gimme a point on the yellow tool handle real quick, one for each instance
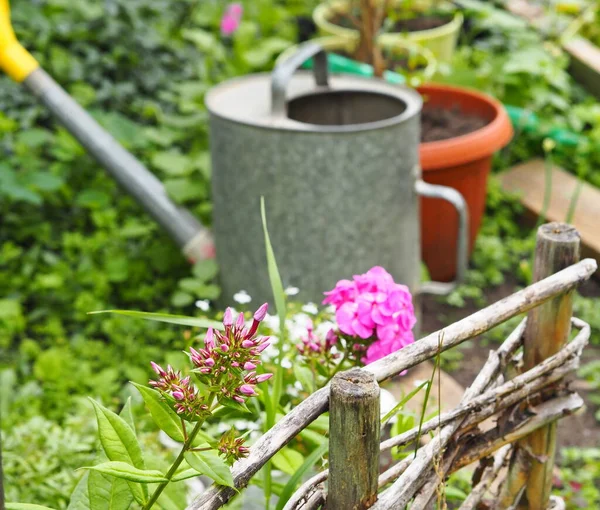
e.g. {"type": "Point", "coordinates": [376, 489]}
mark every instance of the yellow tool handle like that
{"type": "Point", "coordinates": [15, 60]}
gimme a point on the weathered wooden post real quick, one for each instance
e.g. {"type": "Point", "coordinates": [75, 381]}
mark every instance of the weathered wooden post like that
{"type": "Point", "coordinates": [354, 426]}
{"type": "Point", "coordinates": [547, 331]}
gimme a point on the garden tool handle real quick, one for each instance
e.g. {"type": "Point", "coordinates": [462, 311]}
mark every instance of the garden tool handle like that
{"type": "Point", "coordinates": [425, 189]}
{"type": "Point", "coordinates": [283, 73]}
{"type": "Point", "coordinates": [15, 60]}
{"type": "Point", "coordinates": [192, 237]}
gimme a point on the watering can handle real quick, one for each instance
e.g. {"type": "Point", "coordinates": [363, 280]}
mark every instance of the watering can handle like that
{"type": "Point", "coordinates": [283, 73]}
{"type": "Point", "coordinates": [456, 199]}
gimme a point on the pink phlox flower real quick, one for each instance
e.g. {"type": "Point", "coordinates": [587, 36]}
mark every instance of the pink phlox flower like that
{"type": "Point", "coordinates": [375, 279]}
{"type": "Point", "coordinates": [349, 321]}
{"type": "Point", "coordinates": [231, 19]}
{"type": "Point", "coordinates": [343, 292]}
{"type": "Point", "coordinates": [375, 308]}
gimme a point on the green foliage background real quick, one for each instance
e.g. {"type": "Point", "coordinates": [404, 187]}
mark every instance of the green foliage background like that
{"type": "Point", "coordinates": [72, 242]}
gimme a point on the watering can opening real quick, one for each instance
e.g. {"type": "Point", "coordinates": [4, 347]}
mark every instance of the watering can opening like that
{"type": "Point", "coordinates": [344, 107]}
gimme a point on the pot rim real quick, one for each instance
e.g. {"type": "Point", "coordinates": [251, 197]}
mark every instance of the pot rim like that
{"type": "Point", "coordinates": [224, 107]}
{"type": "Point", "coordinates": [472, 146]}
{"type": "Point", "coordinates": [321, 19]}
{"type": "Point", "coordinates": [336, 42]}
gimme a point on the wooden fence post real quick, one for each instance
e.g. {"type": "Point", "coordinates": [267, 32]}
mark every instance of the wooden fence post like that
{"type": "Point", "coordinates": [354, 426]}
{"type": "Point", "coordinates": [547, 331]}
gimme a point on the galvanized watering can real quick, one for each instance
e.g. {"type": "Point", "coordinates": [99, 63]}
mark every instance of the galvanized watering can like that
{"type": "Point", "coordinates": [336, 159]}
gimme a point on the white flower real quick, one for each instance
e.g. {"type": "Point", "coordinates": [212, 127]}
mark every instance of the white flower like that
{"type": "Point", "coordinates": [223, 427]}
{"type": "Point", "coordinates": [242, 297]}
{"type": "Point", "coordinates": [272, 322]}
{"type": "Point", "coordinates": [203, 304]}
{"type": "Point", "coordinates": [291, 291]}
{"type": "Point", "coordinates": [286, 363]}
{"type": "Point", "coordinates": [323, 328]}
{"type": "Point", "coordinates": [310, 308]}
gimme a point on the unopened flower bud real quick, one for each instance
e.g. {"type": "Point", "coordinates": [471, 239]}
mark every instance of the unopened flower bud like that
{"type": "Point", "coordinates": [228, 318]}
{"type": "Point", "coordinates": [263, 377]}
{"type": "Point", "coordinates": [249, 366]}
{"type": "Point", "coordinates": [209, 341]}
{"type": "Point", "coordinates": [240, 321]}
{"type": "Point", "coordinates": [261, 313]}
{"type": "Point", "coordinates": [246, 344]}
{"type": "Point", "coordinates": [158, 369]}
{"type": "Point", "coordinates": [247, 389]}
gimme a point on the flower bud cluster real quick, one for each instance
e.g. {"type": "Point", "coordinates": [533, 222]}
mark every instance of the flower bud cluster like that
{"type": "Point", "coordinates": [232, 448]}
{"type": "Point", "coordinates": [229, 358]}
{"type": "Point", "coordinates": [312, 347]}
{"type": "Point", "coordinates": [226, 365]}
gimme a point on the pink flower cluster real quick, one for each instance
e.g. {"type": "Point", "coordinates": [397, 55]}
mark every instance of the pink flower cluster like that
{"type": "Point", "coordinates": [373, 306]}
{"type": "Point", "coordinates": [227, 362]}
{"type": "Point", "coordinates": [231, 19]}
{"type": "Point", "coordinates": [312, 347]}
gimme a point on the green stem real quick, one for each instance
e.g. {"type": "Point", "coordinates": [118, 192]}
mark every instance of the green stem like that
{"type": "Point", "coordinates": [337, 368]}
{"type": "Point", "coordinates": [186, 447]}
{"type": "Point", "coordinates": [547, 189]}
{"type": "Point", "coordinates": [574, 200]}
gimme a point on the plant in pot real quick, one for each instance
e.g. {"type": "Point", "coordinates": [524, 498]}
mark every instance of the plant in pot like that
{"type": "Point", "coordinates": [461, 129]}
{"type": "Point", "coordinates": [432, 24]}
{"type": "Point", "coordinates": [401, 57]}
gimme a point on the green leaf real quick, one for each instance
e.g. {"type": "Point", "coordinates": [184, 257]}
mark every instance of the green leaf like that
{"type": "Point", "coordinates": [185, 474]}
{"type": "Point", "coordinates": [120, 444]}
{"type": "Point", "coordinates": [210, 464]}
{"type": "Point", "coordinates": [172, 162]}
{"type": "Point", "coordinates": [185, 190]}
{"type": "Point", "coordinates": [205, 270]}
{"type": "Point", "coordinates": [288, 460]}
{"type": "Point", "coordinates": [26, 506]}
{"type": "Point", "coordinates": [232, 404]}
{"type": "Point", "coordinates": [180, 299]}
{"type": "Point", "coordinates": [117, 437]}
{"type": "Point", "coordinates": [400, 404]}
{"type": "Point", "coordinates": [305, 377]}
{"type": "Point", "coordinates": [128, 472]}
{"type": "Point", "coordinates": [80, 499]}
{"type": "Point", "coordinates": [43, 181]}
{"type": "Point", "coordinates": [182, 320]}
{"type": "Point", "coordinates": [109, 493]}
{"type": "Point", "coordinates": [93, 199]}
{"type": "Point", "coordinates": [280, 305]}
{"type": "Point", "coordinates": [292, 483]}
{"type": "Point", "coordinates": [162, 414]}
{"type": "Point", "coordinates": [127, 414]}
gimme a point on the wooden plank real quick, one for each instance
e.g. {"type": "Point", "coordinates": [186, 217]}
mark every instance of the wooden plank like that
{"type": "Point", "coordinates": [528, 179]}
{"type": "Point", "coordinates": [585, 63]}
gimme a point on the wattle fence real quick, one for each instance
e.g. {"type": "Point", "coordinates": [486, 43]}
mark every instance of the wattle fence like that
{"type": "Point", "coordinates": [523, 386]}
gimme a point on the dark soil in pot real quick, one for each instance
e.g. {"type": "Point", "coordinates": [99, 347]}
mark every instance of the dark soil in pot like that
{"type": "Point", "coordinates": [442, 124]}
{"type": "Point", "coordinates": [420, 23]}
{"type": "Point", "coordinates": [416, 24]}
{"type": "Point", "coordinates": [393, 63]}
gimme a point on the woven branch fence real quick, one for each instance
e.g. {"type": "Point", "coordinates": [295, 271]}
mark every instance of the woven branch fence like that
{"type": "Point", "coordinates": [523, 386]}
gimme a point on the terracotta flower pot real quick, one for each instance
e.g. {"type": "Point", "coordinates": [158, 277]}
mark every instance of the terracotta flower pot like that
{"type": "Point", "coordinates": [463, 163]}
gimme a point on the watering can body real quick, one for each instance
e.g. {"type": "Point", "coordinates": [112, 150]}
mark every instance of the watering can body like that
{"type": "Point", "coordinates": [336, 160]}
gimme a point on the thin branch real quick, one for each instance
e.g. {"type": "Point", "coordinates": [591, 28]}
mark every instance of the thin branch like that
{"type": "Point", "coordinates": [489, 474]}
{"type": "Point", "coordinates": [410, 356]}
